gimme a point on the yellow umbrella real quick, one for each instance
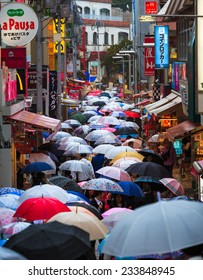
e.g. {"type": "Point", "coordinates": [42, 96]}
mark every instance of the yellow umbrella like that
{"type": "Point", "coordinates": [128, 154]}
{"type": "Point", "coordinates": [96, 229]}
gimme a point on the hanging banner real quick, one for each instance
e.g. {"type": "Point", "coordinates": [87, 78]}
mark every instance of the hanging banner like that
{"type": "Point", "coordinates": [149, 66]}
{"type": "Point", "coordinates": [161, 46]}
{"type": "Point", "coordinates": [52, 93]}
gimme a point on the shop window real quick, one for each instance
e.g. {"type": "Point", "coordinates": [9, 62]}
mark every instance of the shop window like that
{"type": "Point", "coordinates": [104, 12]}
{"type": "Point", "coordinates": [95, 38]}
{"type": "Point", "coordinates": [87, 11]}
{"type": "Point", "coordinates": [122, 36]}
{"type": "Point", "coordinates": [106, 38]}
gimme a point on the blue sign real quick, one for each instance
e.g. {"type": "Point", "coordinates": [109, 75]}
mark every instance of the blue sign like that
{"type": "Point", "coordinates": [161, 46]}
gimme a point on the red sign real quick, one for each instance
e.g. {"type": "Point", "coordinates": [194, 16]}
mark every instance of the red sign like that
{"type": "Point", "coordinates": [149, 55]}
{"type": "Point", "coordinates": [150, 7]}
{"type": "Point", "coordinates": [14, 58]}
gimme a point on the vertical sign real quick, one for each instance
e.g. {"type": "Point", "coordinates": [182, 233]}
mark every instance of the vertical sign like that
{"type": "Point", "coordinates": [149, 66]}
{"type": "Point", "coordinates": [161, 46]}
{"type": "Point", "coordinates": [62, 32]}
{"type": "Point", "coordinates": [150, 7]}
{"type": "Point", "coordinates": [199, 50]}
{"type": "Point", "coordinates": [52, 93]}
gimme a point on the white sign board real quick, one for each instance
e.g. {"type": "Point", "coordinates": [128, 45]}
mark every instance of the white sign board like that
{"type": "Point", "coordinates": [19, 24]}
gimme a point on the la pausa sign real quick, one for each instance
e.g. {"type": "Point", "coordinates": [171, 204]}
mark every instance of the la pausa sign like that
{"type": "Point", "coordinates": [19, 24]}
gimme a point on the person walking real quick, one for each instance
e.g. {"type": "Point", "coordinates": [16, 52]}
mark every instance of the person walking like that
{"type": "Point", "coordinates": [169, 156]}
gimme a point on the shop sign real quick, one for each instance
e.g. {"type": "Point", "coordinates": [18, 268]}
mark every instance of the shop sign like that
{"type": "Point", "coordinates": [161, 46]}
{"type": "Point", "coordinates": [14, 57]}
{"type": "Point", "coordinates": [52, 93]}
{"type": "Point", "coordinates": [150, 7]}
{"type": "Point", "coordinates": [19, 24]}
{"type": "Point", "coordinates": [149, 57]}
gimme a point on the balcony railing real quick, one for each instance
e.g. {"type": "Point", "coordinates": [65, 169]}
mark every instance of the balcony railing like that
{"type": "Point", "coordinates": [102, 17]}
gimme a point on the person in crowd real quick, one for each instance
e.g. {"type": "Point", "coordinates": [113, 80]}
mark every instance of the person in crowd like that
{"type": "Point", "coordinates": [84, 175]}
{"type": "Point", "coordinates": [97, 201]}
{"type": "Point", "coordinates": [187, 150]}
{"type": "Point", "coordinates": [20, 166]}
{"type": "Point", "coordinates": [39, 178]}
{"type": "Point", "coordinates": [118, 200]}
{"type": "Point", "coordinates": [169, 156]}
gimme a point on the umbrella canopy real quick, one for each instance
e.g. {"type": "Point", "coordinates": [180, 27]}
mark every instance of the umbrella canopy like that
{"type": "Point", "coordinates": [50, 241]}
{"type": "Point", "coordinates": [81, 131]}
{"type": "Point", "coordinates": [41, 157]}
{"type": "Point", "coordinates": [11, 190]}
{"type": "Point", "coordinates": [65, 183]}
{"type": "Point", "coordinates": [36, 167]}
{"type": "Point", "coordinates": [126, 131]}
{"type": "Point", "coordinates": [6, 216]}
{"type": "Point", "coordinates": [72, 139]}
{"type": "Point", "coordinates": [8, 254]}
{"type": "Point", "coordinates": [150, 155]}
{"type": "Point", "coordinates": [40, 208]}
{"type": "Point", "coordinates": [78, 148]}
{"type": "Point", "coordinates": [173, 185]}
{"type": "Point", "coordinates": [96, 134]}
{"type": "Point", "coordinates": [114, 173]}
{"type": "Point", "coordinates": [13, 228]}
{"type": "Point", "coordinates": [132, 114]}
{"type": "Point", "coordinates": [118, 114]}
{"type": "Point", "coordinates": [79, 117]}
{"type": "Point", "coordinates": [112, 218]}
{"type": "Point", "coordinates": [51, 155]}
{"type": "Point", "coordinates": [9, 201]}
{"type": "Point", "coordinates": [132, 154]}
{"type": "Point", "coordinates": [102, 148]}
{"type": "Point", "coordinates": [51, 147]}
{"type": "Point", "coordinates": [45, 190]}
{"type": "Point", "coordinates": [137, 143]}
{"type": "Point", "coordinates": [148, 169]}
{"type": "Point", "coordinates": [58, 135]}
{"type": "Point", "coordinates": [84, 207]}
{"type": "Point", "coordinates": [66, 126]}
{"type": "Point", "coordinates": [102, 184]}
{"type": "Point", "coordinates": [130, 189]}
{"type": "Point", "coordinates": [74, 165]}
{"type": "Point", "coordinates": [116, 150]}
{"type": "Point", "coordinates": [157, 228]}
{"type": "Point", "coordinates": [124, 163]}
{"type": "Point", "coordinates": [73, 123]}
{"type": "Point", "coordinates": [108, 139]}
{"type": "Point", "coordinates": [91, 224]}
{"type": "Point", "coordinates": [153, 182]}
{"type": "Point", "coordinates": [108, 120]}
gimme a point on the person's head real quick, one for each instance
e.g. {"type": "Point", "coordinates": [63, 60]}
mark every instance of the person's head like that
{"type": "Point", "coordinates": [167, 142]}
{"type": "Point", "coordinates": [118, 198]}
{"type": "Point", "coordinates": [130, 144]}
{"type": "Point", "coordinates": [98, 195]}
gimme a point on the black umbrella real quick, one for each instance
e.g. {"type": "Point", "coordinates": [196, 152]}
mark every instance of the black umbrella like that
{"type": "Point", "coordinates": [125, 130]}
{"type": "Point", "coordinates": [150, 155]}
{"type": "Point", "coordinates": [51, 147]}
{"type": "Point", "coordinates": [99, 103]}
{"type": "Point", "coordinates": [65, 183]}
{"type": "Point", "coordinates": [147, 168]}
{"type": "Point", "coordinates": [153, 182]}
{"type": "Point", "coordinates": [50, 241]}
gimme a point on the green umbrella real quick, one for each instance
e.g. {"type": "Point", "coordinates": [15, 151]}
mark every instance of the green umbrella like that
{"type": "Point", "coordinates": [79, 117]}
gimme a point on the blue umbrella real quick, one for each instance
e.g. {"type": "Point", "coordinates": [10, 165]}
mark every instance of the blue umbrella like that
{"type": "Point", "coordinates": [11, 190]}
{"type": "Point", "coordinates": [36, 167]}
{"type": "Point", "coordinates": [130, 189]}
{"type": "Point", "coordinates": [80, 195]}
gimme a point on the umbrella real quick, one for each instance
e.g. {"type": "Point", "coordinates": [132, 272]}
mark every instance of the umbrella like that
{"type": "Point", "coordinates": [118, 114]}
{"type": "Point", "coordinates": [124, 163]}
{"type": "Point", "coordinates": [115, 210]}
{"type": "Point", "coordinates": [73, 123]}
{"type": "Point", "coordinates": [65, 183]}
{"type": "Point", "coordinates": [6, 216]}
{"type": "Point", "coordinates": [84, 207]}
{"type": "Point", "coordinates": [108, 139]}
{"type": "Point", "coordinates": [102, 184]}
{"type": "Point", "coordinates": [96, 134]}
{"type": "Point", "coordinates": [58, 135]}
{"type": "Point", "coordinates": [9, 201]}
{"type": "Point", "coordinates": [51, 155]}
{"type": "Point", "coordinates": [173, 185]}
{"type": "Point", "coordinates": [74, 165]}
{"type": "Point", "coordinates": [66, 126]}
{"type": "Point", "coordinates": [158, 137]}
{"type": "Point", "coordinates": [50, 241]}
{"type": "Point", "coordinates": [45, 190]}
{"type": "Point", "coordinates": [116, 150]}
{"type": "Point", "coordinates": [126, 131]}
{"type": "Point", "coordinates": [78, 148]}
{"type": "Point", "coordinates": [13, 228]}
{"type": "Point", "coordinates": [81, 131]}
{"type": "Point", "coordinates": [130, 189]}
{"type": "Point", "coordinates": [136, 143]}
{"type": "Point", "coordinates": [11, 190]}
{"type": "Point", "coordinates": [102, 148]}
{"type": "Point", "coordinates": [113, 218]}
{"type": "Point", "coordinates": [148, 169]}
{"type": "Point", "coordinates": [41, 157]}
{"type": "Point", "coordinates": [128, 154]}
{"type": "Point", "coordinates": [153, 182]}
{"type": "Point", "coordinates": [72, 139]}
{"type": "Point", "coordinates": [129, 124]}
{"type": "Point", "coordinates": [8, 254]}
{"type": "Point", "coordinates": [79, 117]}
{"type": "Point", "coordinates": [114, 173]}
{"type": "Point", "coordinates": [108, 120]}
{"type": "Point", "coordinates": [93, 119]}
{"type": "Point", "coordinates": [157, 228]}
{"type": "Point", "coordinates": [91, 224]}
{"type": "Point", "coordinates": [80, 197]}
{"type": "Point", "coordinates": [99, 103]}
{"type": "Point", "coordinates": [150, 155]}
{"type": "Point", "coordinates": [36, 167]}
{"type": "Point", "coordinates": [40, 208]}
{"type": "Point", "coordinates": [132, 114]}
{"type": "Point", "coordinates": [51, 147]}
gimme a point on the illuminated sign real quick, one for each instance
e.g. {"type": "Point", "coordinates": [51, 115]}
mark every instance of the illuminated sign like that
{"type": "Point", "coordinates": [150, 7]}
{"type": "Point", "coordinates": [61, 40]}
{"type": "Point", "coordinates": [161, 46]}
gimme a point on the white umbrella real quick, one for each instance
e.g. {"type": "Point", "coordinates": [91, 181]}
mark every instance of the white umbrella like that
{"type": "Point", "coordinates": [94, 118]}
{"type": "Point", "coordinates": [108, 139]}
{"type": "Point", "coordinates": [78, 148]}
{"type": "Point", "coordinates": [124, 163]}
{"type": "Point", "coordinates": [108, 120]}
{"type": "Point", "coordinates": [116, 150]}
{"type": "Point", "coordinates": [102, 148]}
{"type": "Point", "coordinates": [66, 126]}
{"type": "Point", "coordinates": [45, 190]}
{"type": "Point", "coordinates": [74, 165]}
{"type": "Point", "coordinates": [40, 157]}
{"type": "Point", "coordinates": [58, 135]}
{"type": "Point", "coordinates": [14, 227]}
{"type": "Point", "coordinates": [115, 173]}
{"type": "Point", "coordinates": [129, 124]}
{"type": "Point", "coordinates": [96, 134]}
{"type": "Point", "coordinates": [157, 228]}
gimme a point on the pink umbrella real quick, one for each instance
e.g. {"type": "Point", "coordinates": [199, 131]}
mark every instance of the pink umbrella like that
{"type": "Point", "coordinates": [6, 216]}
{"type": "Point", "coordinates": [111, 129]}
{"type": "Point", "coordinates": [115, 210]}
{"type": "Point", "coordinates": [115, 173]}
{"type": "Point", "coordinates": [137, 143]}
{"type": "Point", "coordinates": [173, 185]}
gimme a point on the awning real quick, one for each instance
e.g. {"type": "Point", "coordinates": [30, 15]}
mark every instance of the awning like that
{"type": "Point", "coordinates": [36, 121]}
{"type": "Point", "coordinates": [168, 108]}
{"type": "Point", "coordinates": [161, 102]}
{"type": "Point", "coordinates": [174, 7]}
{"type": "Point", "coordinates": [182, 128]}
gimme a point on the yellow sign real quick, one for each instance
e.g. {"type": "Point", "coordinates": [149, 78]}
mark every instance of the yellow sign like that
{"type": "Point", "coordinates": [62, 32]}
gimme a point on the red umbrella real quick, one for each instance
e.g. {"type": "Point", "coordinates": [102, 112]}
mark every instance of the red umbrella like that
{"type": "Point", "coordinates": [40, 208]}
{"type": "Point", "coordinates": [132, 114]}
